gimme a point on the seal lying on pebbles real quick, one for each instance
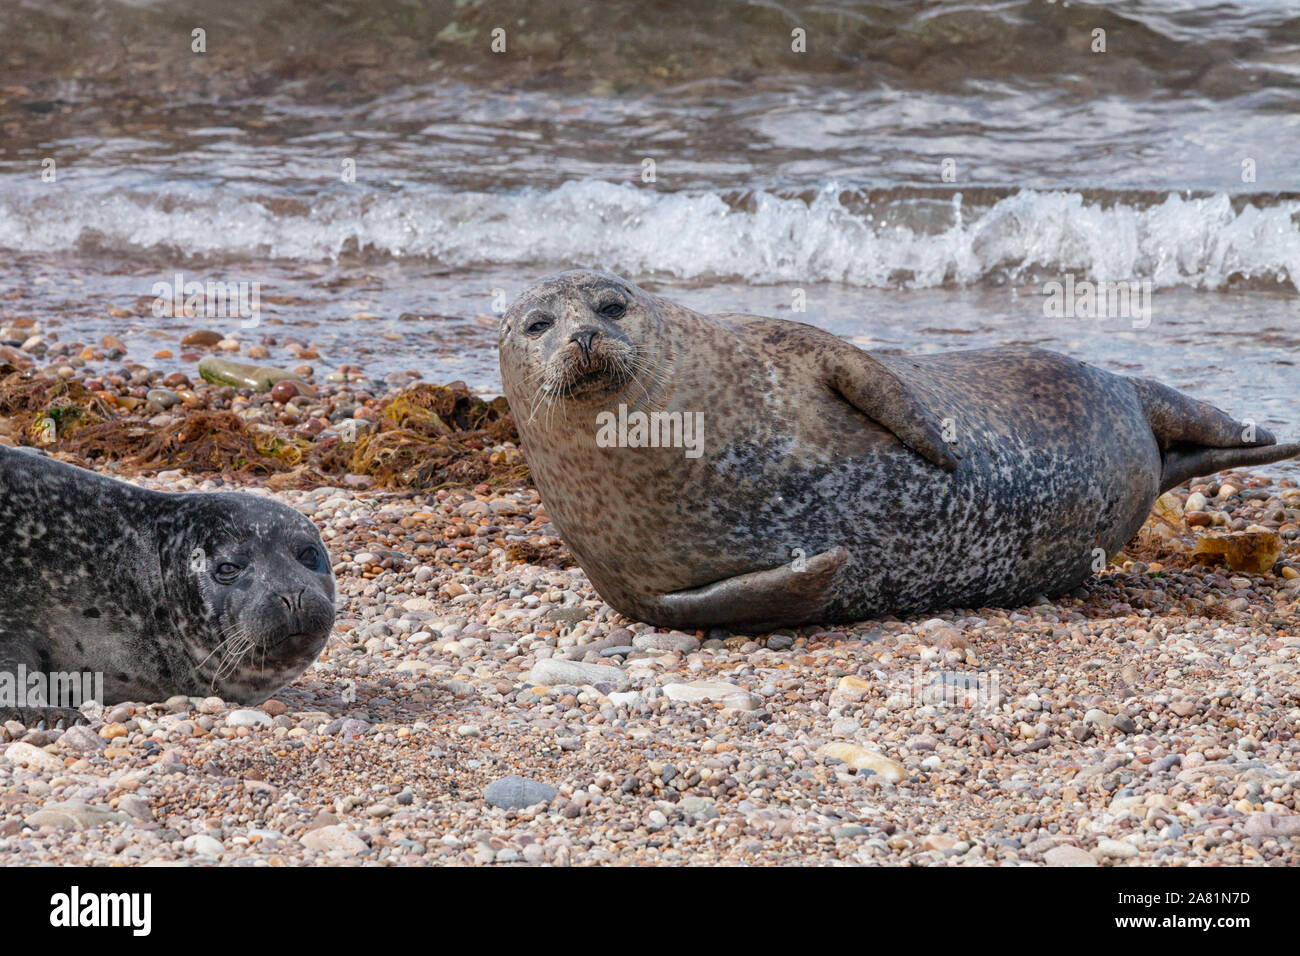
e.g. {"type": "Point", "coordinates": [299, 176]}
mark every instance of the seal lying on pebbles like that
{"type": "Point", "coordinates": [755, 472]}
{"type": "Point", "coordinates": [161, 593]}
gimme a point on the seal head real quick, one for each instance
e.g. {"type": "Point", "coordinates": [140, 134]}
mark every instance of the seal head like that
{"type": "Point", "coordinates": [258, 578]}
{"type": "Point", "coordinates": [580, 340]}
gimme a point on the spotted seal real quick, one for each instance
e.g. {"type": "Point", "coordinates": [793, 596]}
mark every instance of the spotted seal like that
{"type": "Point", "coordinates": [161, 593]}
{"type": "Point", "coordinates": [753, 472]}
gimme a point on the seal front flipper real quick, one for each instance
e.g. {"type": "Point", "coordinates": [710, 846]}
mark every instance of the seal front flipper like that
{"type": "Point", "coordinates": [18, 662]}
{"type": "Point", "coordinates": [757, 600]}
{"type": "Point", "coordinates": [883, 397]}
{"type": "Point", "coordinates": [43, 718]}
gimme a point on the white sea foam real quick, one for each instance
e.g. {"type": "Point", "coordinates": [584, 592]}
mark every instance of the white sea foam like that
{"type": "Point", "coordinates": [838, 235]}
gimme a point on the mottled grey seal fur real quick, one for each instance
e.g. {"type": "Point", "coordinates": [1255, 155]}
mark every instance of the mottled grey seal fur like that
{"type": "Point", "coordinates": [163, 593]}
{"type": "Point", "coordinates": [825, 491]}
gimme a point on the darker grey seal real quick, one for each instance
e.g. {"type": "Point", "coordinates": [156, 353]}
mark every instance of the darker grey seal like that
{"type": "Point", "coordinates": [226, 594]}
{"type": "Point", "coordinates": [790, 477]}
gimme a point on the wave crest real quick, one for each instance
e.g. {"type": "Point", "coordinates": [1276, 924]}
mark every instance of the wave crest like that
{"type": "Point", "coordinates": [895, 239]}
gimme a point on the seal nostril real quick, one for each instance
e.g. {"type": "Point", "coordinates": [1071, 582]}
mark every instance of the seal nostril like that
{"type": "Point", "coordinates": [584, 337]}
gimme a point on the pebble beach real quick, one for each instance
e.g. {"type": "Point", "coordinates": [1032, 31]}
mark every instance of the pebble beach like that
{"type": "Point", "coordinates": [478, 704]}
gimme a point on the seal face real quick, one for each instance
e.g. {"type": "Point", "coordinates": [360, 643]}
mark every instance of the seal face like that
{"type": "Point", "coordinates": [225, 594]}
{"type": "Point", "coordinates": [585, 347]}
{"type": "Point", "coordinates": [820, 482]}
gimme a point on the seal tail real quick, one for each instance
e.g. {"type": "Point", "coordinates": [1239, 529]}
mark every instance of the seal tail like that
{"type": "Point", "coordinates": [1189, 462]}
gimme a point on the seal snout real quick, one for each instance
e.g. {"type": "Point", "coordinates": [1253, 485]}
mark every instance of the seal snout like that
{"type": "Point", "coordinates": [305, 621]}
{"type": "Point", "coordinates": [591, 363]}
{"type": "Point", "coordinates": [574, 337]}
{"type": "Point", "coordinates": [583, 338]}
{"type": "Point", "coordinates": [293, 602]}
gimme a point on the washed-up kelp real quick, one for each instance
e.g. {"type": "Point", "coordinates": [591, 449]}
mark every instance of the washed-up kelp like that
{"type": "Point", "coordinates": [425, 436]}
{"type": "Point", "coordinates": [431, 436]}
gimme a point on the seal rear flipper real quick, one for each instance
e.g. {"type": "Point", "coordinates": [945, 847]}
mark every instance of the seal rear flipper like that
{"type": "Point", "coordinates": [758, 600]}
{"type": "Point", "coordinates": [1194, 460]}
{"type": "Point", "coordinates": [1195, 438]}
{"type": "Point", "coordinates": [1178, 419]}
{"type": "Point", "coordinates": [885, 398]}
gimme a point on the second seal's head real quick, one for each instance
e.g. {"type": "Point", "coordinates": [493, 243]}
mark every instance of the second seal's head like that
{"type": "Point", "coordinates": [580, 338]}
{"type": "Point", "coordinates": [259, 575]}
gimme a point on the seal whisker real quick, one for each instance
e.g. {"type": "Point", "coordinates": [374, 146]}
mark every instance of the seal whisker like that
{"type": "Point", "coordinates": [230, 664]}
{"type": "Point", "coordinates": [235, 652]}
{"type": "Point", "coordinates": [648, 369]}
{"type": "Point", "coordinates": [220, 648]}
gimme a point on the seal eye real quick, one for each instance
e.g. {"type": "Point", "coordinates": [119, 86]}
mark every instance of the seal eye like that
{"type": "Point", "coordinates": [612, 310]}
{"type": "Point", "coordinates": [539, 325]}
{"type": "Point", "coordinates": [309, 557]}
{"type": "Point", "coordinates": [227, 572]}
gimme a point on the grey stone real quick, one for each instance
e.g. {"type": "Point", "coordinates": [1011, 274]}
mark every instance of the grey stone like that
{"type": "Point", "coordinates": [1116, 849]}
{"type": "Point", "coordinates": [579, 651]}
{"type": "Point", "coordinates": [247, 718]}
{"type": "Point", "coordinates": [136, 807]}
{"type": "Point", "coordinates": [515, 793]}
{"type": "Point", "coordinates": [1098, 718]}
{"type": "Point", "coordinates": [74, 814]}
{"type": "Point", "coordinates": [568, 615]}
{"type": "Point", "coordinates": [1068, 856]}
{"type": "Point", "coordinates": [1273, 824]}
{"type": "Point", "coordinates": [849, 831]}
{"type": "Point", "coordinates": [955, 680]}
{"type": "Point", "coordinates": [203, 845]}
{"type": "Point", "coordinates": [551, 672]}
{"type": "Point", "coordinates": [334, 837]}
{"type": "Point", "coordinates": [731, 696]}
{"type": "Point", "coordinates": [82, 739]}
{"type": "Point", "coordinates": [351, 727]}
{"type": "Point", "coordinates": [699, 807]}
{"type": "Point", "coordinates": [680, 643]}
